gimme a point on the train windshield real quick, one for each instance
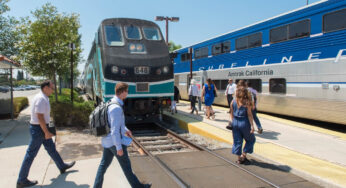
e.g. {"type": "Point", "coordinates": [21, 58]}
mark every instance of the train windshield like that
{"type": "Point", "coordinates": [132, 32]}
{"type": "Point", "coordinates": [114, 36]}
{"type": "Point", "coordinates": [151, 33]}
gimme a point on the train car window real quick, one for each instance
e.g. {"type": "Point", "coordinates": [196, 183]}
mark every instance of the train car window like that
{"type": "Point", "coordinates": [216, 49]}
{"type": "Point", "coordinates": [114, 36]}
{"type": "Point", "coordinates": [183, 57]}
{"type": "Point", "coordinates": [226, 47]}
{"type": "Point", "coordinates": [241, 43]}
{"type": "Point", "coordinates": [278, 34]}
{"type": "Point", "coordinates": [132, 32]}
{"type": "Point", "coordinates": [201, 52]}
{"type": "Point", "coordinates": [217, 84]}
{"type": "Point", "coordinates": [255, 40]}
{"type": "Point", "coordinates": [223, 84]}
{"type": "Point", "coordinates": [334, 21]}
{"type": "Point", "coordinates": [151, 33]}
{"type": "Point", "coordinates": [255, 84]}
{"type": "Point", "coordinates": [299, 29]}
{"type": "Point", "coordinates": [277, 85]}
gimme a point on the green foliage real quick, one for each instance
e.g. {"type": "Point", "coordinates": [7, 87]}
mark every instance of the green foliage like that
{"type": "Point", "coordinates": [19, 103]}
{"type": "Point", "coordinates": [9, 33]}
{"type": "Point", "coordinates": [172, 46]}
{"type": "Point", "coordinates": [44, 42]}
{"type": "Point", "coordinates": [66, 114]}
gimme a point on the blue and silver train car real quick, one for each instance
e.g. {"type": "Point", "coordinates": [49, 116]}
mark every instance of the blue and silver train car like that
{"type": "Point", "coordinates": [131, 51]}
{"type": "Point", "coordinates": [296, 61]}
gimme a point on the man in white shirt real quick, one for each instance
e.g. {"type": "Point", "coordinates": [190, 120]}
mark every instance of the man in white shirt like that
{"type": "Point", "coordinates": [194, 92]}
{"type": "Point", "coordinates": [112, 146]}
{"type": "Point", "coordinates": [230, 90]}
{"type": "Point", "coordinates": [40, 118]}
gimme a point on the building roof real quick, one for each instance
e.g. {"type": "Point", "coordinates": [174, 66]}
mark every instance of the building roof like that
{"type": "Point", "coordinates": [6, 63]}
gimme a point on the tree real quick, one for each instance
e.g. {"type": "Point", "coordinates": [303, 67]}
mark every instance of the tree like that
{"type": "Point", "coordinates": [9, 35]}
{"type": "Point", "coordinates": [172, 46]}
{"type": "Point", "coordinates": [44, 45]}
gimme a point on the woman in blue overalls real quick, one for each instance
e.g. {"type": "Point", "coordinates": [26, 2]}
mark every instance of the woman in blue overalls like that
{"type": "Point", "coordinates": [242, 122]}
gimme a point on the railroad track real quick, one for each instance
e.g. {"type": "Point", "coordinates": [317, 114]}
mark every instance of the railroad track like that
{"type": "Point", "coordinates": [158, 139]}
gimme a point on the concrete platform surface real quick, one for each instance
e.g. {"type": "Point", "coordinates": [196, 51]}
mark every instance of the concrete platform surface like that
{"type": "Point", "coordinates": [313, 153]}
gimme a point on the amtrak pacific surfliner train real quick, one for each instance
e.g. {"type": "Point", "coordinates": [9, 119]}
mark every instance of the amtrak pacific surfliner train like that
{"type": "Point", "coordinates": [296, 61]}
{"type": "Point", "coordinates": [131, 51]}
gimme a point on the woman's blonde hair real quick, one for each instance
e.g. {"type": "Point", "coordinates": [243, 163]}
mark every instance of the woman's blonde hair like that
{"type": "Point", "coordinates": [243, 96]}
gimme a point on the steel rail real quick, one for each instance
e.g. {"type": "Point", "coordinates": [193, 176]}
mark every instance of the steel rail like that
{"type": "Point", "coordinates": [168, 171]}
{"type": "Point", "coordinates": [215, 154]}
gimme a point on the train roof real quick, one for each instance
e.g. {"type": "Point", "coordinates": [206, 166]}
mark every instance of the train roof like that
{"type": "Point", "coordinates": [125, 21]}
{"type": "Point", "coordinates": [280, 19]}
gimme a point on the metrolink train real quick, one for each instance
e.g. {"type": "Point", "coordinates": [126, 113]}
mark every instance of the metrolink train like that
{"type": "Point", "coordinates": [131, 51]}
{"type": "Point", "coordinates": [296, 61]}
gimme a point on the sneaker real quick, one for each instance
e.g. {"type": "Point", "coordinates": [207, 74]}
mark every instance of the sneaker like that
{"type": "Point", "coordinates": [260, 131]}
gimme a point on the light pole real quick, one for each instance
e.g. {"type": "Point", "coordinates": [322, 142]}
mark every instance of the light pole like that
{"type": "Point", "coordinates": [172, 19]}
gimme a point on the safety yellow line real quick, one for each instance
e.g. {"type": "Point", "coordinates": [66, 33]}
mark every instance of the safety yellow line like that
{"type": "Point", "coordinates": [292, 123]}
{"type": "Point", "coordinates": [304, 163]}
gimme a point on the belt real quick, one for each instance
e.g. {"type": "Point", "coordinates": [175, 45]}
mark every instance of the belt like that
{"type": "Point", "coordinates": [37, 124]}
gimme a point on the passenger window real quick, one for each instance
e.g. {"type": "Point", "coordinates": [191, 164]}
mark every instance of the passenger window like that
{"type": "Point", "coordinates": [241, 43]}
{"type": "Point", "coordinates": [201, 52]}
{"type": "Point", "coordinates": [226, 47]}
{"type": "Point", "coordinates": [114, 36]}
{"type": "Point", "coordinates": [183, 57]}
{"type": "Point", "coordinates": [299, 29]}
{"type": "Point", "coordinates": [216, 49]}
{"type": "Point", "coordinates": [224, 84]}
{"type": "Point", "coordinates": [278, 34]}
{"type": "Point", "coordinates": [277, 85]}
{"type": "Point", "coordinates": [255, 84]}
{"type": "Point", "coordinates": [255, 40]}
{"type": "Point", "coordinates": [217, 84]}
{"type": "Point", "coordinates": [334, 21]}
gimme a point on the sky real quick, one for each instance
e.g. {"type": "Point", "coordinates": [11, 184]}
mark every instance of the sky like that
{"type": "Point", "coordinates": [199, 19]}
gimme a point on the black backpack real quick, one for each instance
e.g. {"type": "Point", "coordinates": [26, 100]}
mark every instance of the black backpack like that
{"type": "Point", "coordinates": [98, 119]}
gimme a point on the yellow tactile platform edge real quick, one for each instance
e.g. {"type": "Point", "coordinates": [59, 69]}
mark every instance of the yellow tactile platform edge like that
{"type": "Point", "coordinates": [301, 162]}
{"type": "Point", "coordinates": [292, 123]}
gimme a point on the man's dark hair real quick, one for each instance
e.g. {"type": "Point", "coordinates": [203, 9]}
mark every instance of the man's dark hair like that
{"type": "Point", "coordinates": [121, 87]}
{"type": "Point", "coordinates": [45, 83]}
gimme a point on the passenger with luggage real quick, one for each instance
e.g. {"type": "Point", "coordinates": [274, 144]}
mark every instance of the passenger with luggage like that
{"type": "Point", "coordinates": [194, 92]}
{"type": "Point", "coordinates": [242, 124]}
{"type": "Point", "coordinates": [253, 93]}
{"type": "Point", "coordinates": [113, 144]}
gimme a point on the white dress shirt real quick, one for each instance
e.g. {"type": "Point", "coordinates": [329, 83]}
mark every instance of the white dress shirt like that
{"type": "Point", "coordinates": [116, 120]}
{"type": "Point", "coordinates": [40, 105]}
{"type": "Point", "coordinates": [193, 90]}
{"type": "Point", "coordinates": [230, 90]}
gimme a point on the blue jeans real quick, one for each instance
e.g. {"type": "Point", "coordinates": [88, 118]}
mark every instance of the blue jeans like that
{"type": "Point", "coordinates": [124, 161]}
{"type": "Point", "coordinates": [37, 139]}
{"type": "Point", "coordinates": [255, 118]}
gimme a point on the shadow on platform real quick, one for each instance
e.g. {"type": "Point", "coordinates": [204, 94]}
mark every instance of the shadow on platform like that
{"type": "Point", "coordinates": [60, 181]}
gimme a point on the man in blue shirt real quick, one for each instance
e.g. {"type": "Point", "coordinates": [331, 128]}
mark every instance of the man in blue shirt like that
{"type": "Point", "coordinates": [111, 143]}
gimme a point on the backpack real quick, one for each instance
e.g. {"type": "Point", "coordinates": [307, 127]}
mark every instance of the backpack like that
{"type": "Point", "coordinates": [98, 119]}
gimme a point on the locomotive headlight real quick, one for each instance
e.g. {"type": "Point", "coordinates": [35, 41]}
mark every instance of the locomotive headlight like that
{"type": "Point", "coordinates": [139, 47]}
{"type": "Point", "coordinates": [132, 47]}
{"type": "Point", "coordinates": [115, 69]}
{"type": "Point", "coordinates": [158, 71]}
{"type": "Point", "coordinates": [165, 69]}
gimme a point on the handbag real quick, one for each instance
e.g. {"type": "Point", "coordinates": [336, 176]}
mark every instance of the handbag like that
{"type": "Point", "coordinates": [215, 94]}
{"type": "Point", "coordinates": [51, 128]}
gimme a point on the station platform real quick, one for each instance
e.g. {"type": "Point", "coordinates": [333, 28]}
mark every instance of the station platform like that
{"type": "Point", "coordinates": [313, 153]}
